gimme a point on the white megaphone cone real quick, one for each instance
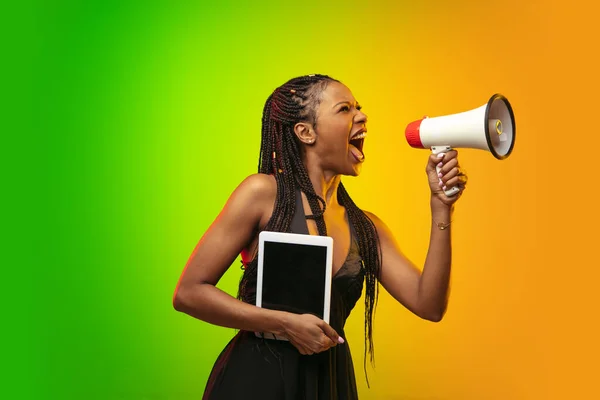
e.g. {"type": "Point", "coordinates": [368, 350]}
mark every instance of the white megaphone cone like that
{"type": "Point", "coordinates": [490, 127]}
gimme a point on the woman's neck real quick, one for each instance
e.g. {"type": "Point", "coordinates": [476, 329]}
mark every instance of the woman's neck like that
{"type": "Point", "coordinates": [325, 185]}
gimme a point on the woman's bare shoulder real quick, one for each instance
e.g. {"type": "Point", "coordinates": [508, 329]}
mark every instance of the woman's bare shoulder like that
{"type": "Point", "coordinates": [255, 197]}
{"type": "Point", "coordinates": [253, 201]}
{"type": "Point", "coordinates": [257, 187]}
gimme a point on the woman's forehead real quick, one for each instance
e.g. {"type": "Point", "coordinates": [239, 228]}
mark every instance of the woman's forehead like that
{"type": "Point", "coordinates": [335, 93]}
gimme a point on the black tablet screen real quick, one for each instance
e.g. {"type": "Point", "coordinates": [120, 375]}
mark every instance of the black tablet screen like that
{"type": "Point", "coordinates": [294, 277]}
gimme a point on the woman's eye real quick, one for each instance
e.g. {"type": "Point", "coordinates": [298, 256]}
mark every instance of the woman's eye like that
{"type": "Point", "coordinates": [345, 108]}
{"type": "Point", "coordinates": [359, 108]}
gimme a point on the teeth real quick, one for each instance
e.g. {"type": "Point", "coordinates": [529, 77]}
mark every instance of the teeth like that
{"type": "Point", "coordinates": [361, 135]}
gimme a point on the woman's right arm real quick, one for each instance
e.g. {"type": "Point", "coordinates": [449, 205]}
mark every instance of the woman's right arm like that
{"type": "Point", "coordinates": [249, 207]}
{"type": "Point", "coordinates": [196, 293]}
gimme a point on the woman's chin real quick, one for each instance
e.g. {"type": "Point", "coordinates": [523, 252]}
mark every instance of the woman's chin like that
{"type": "Point", "coordinates": [355, 169]}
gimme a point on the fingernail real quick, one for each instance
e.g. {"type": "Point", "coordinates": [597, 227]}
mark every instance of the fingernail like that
{"type": "Point", "coordinates": [440, 165]}
{"type": "Point", "coordinates": [440, 155]}
{"type": "Point", "coordinates": [440, 175]}
{"type": "Point", "coordinates": [444, 187]}
{"type": "Point", "coordinates": [441, 183]}
{"type": "Point", "coordinates": [340, 340]}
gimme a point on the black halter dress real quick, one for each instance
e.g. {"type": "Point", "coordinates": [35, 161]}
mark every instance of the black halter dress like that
{"type": "Point", "coordinates": [255, 368]}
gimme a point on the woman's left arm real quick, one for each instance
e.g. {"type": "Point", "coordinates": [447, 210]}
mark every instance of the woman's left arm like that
{"type": "Point", "coordinates": [425, 293]}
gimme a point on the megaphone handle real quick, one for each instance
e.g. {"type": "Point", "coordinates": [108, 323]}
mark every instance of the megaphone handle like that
{"type": "Point", "coordinates": [439, 150]}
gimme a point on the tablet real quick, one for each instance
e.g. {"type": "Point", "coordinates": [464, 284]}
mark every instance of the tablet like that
{"type": "Point", "coordinates": [294, 273]}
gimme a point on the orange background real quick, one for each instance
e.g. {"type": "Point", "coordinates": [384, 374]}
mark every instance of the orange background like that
{"type": "Point", "coordinates": [521, 321]}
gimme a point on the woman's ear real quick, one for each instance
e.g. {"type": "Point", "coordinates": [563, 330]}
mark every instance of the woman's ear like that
{"type": "Point", "coordinates": [305, 133]}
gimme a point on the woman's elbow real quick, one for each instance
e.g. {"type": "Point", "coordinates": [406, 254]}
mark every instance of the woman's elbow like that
{"type": "Point", "coordinates": [180, 299]}
{"type": "Point", "coordinates": [433, 315]}
{"type": "Point", "coordinates": [188, 298]}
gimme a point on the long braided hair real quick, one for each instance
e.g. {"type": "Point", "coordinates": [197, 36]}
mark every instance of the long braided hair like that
{"type": "Point", "coordinates": [295, 101]}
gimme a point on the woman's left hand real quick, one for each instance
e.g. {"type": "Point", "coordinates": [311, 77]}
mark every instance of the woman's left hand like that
{"type": "Point", "coordinates": [450, 175]}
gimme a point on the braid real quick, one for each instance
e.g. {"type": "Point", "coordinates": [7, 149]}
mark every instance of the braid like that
{"type": "Point", "coordinates": [280, 154]}
{"type": "Point", "coordinates": [368, 242]}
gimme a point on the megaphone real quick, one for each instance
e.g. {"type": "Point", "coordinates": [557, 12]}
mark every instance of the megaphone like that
{"type": "Point", "coordinates": [490, 127]}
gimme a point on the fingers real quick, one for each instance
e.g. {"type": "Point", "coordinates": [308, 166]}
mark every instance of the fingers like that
{"type": "Point", "coordinates": [451, 174]}
{"type": "Point", "coordinates": [331, 333]}
{"type": "Point", "coordinates": [322, 344]}
{"type": "Point", "coordinates": [452, 154]}
{"type": "Point", "coordinates": [314, 336]}
{"type": "Point", "coordinates": [447, 165]}
{"type": "Point", "coordinates": [326, 344]}
{"type": "Point", "coordinates": [435, 159]}
{"type": "Point", "coordinates": [460, 180]}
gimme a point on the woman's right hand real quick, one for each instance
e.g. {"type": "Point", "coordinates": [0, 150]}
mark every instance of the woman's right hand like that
{"type": "Point", "coordinates": [310, 334]}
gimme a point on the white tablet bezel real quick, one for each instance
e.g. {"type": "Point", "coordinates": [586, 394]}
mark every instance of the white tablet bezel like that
{"type": "Point", "coordinates": [295, 238]}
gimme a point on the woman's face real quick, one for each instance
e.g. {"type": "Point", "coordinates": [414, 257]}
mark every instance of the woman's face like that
{"type": "Point", "coordinates": [339, 131]}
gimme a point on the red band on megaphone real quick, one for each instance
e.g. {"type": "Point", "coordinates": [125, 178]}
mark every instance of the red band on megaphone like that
{"type": "Point", "coordinates": [413, 134]}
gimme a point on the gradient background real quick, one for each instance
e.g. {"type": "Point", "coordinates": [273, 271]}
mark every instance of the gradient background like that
{"type": "Point", "coordinates": [129, 124]}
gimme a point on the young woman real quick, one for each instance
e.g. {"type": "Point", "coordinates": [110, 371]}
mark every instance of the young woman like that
{"type": "Point", "coordinates": [313, 132]}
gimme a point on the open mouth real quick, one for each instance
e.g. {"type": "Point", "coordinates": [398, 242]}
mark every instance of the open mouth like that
{"type": "Point", "coordinates": [357, 142]}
